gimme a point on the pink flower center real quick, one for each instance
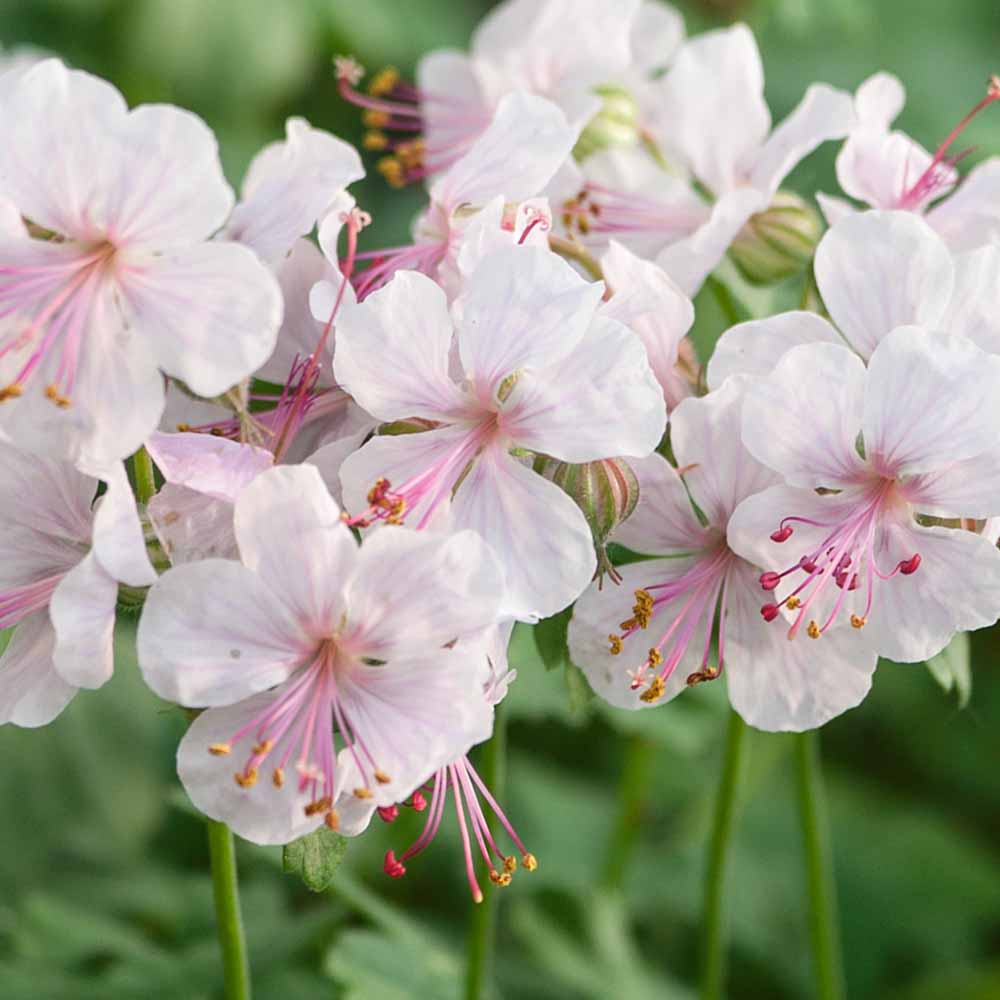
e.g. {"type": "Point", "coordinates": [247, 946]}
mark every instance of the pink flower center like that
{"type": "Point", "coordinates": [603, 211]}
{"type": "Point", "coordinates": [846, 556]}
{"type": "Point", "coordinates": [699, 598]}
{"type": "Point", "coordinates": [297, 729]}
{"type": "Point", "coordinates": [395, 112]}
{"type": "Point", "coordinates": [467, 787]}
{"type": "Point", "coordinates": [55, 298]}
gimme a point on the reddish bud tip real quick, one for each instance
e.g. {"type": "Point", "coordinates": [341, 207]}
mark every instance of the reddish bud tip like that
{"type": "Point", "coordinates": [388, 813]}
{"type": "Point", "coordinates": [392, 867]}
{"type": "Point", "coordinates": [782, 534]}
{"type": "Point", "coordinates": [769, 580]}
{"type": "Point", "coordinates": [418, 802]}
{"type": "Point", "coordinates": [908, 566]}
{"type": "Point", "coordinates": [769, 612]}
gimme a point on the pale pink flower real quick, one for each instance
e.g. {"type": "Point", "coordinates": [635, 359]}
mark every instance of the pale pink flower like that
{"type": "Point", "coordinates": [309, 633]}
{"type": "Point", "coordinates": [533, 366]}
{"type": "Point", "coordinates": [556, 49]}
{"type": "Point", "coordinates": [701, 594]}
{"type": "Point", "coordinates": [64, 554]}
{"type": "Point", "coordinates": [911, 436]}
{"type": "Point", "coordinates": [887, 170]}
{"type": "Point", "coordinates": [875, 271]}
{"type": "Point", "coordinates": [114, 279]}
{"type": "Point", "coordinates": [715, 127]}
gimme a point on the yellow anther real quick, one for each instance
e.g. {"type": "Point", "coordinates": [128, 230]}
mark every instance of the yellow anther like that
{"type": "Point", "coordinates": [813, 630]}
{"type": "Point", "coordinates": [12, 391]}
{"type": "Point", "coordinates": [362, 793]}
{"type": "Point", "coordinates": [264, 748]}
{"type": "Point", "coordinates": [643, 599]}
{"type": "Point", "coordinates": [792, 603]}
{"type": "Point", "coordinates": [383, 81]}
{"type": "Point", "coordinates": [499, 879]}
{"type": "Point", "coordinates": [382, 778]}
{"type": "Point", "coordinates": [529, 862]}
{"type": "Point", "coordinates": [183, 428]}
{"type": "Point", "coordinates": [411, 154]}
{"type": "Point", "coordinates": [616, 644]}
{"type": "Point", "coordinates": [392, 171]}
{"type": "Point", "coordinates": [629, 624]}
{"type": "Point", "coordinates": [52, 392]}
{"type": "Point", "coordinates": [246, 779]}
{"type": "Point", "coordinates": [332, 820]}
{"type": "Point", "coordinates": [320, 805]}
{"type": "Point", "coordinates": [654, 692]}
{"type": "Point", "coordinates": [655, 657]}
{"type": "Point", "coordinates": [220, 749]}
{"type": "Point", "coordinates": [375, 141]}
{"type": "Point", "coordinates": [375, 119]}
{"type": "Point", "coordinates": [858, 622]}
{"type": "Point", "coordinates": [510, 864]}
{"type": "Point", "coordinates": [278, 777]}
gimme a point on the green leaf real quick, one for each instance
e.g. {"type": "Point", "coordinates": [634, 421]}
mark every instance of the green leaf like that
{"type": "Point", "coordinates": [951, 668]}
{"type": "Point", "coordinates": [550, 638]}
{"type": "Point", "coordinates": [315, 858]}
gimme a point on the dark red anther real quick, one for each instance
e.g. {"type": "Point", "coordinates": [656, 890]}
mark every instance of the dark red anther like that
{"type": "Point", "coordinates": [769, 580]}
{"type": "Point", "coordinates": [418, 802]}
{"type": "Point", "coordinates": [805, 563]}
{"type": "Point", "coordinates": [388, 813]}
{"type": "Point", "coordinates": [908, 566]}
{"type": "Point", "coordinates": [782, 534]}
{"type": "Point", "coordinates": [769, 612]}
{"type": "Point", "coordinates": [392, 867]}
{"type": "Point", "coordinates": [854, 582]}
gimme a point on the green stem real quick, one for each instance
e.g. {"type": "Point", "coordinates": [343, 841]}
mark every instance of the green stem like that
{"type": "Point", "coordinates": [145, 481]}
{"type": "Point", "coordinates": [714, 936]}
{"type": "Point", "coordinates": [229, 922]}
{"type": "Point", "coordinates": [636, 769]}
{"type": "Point", "coordinates": [725, 301]}
{"type": "Point", "coordinates": [823, 923]}
{"type": "Point", "coordinates": [482, 926]}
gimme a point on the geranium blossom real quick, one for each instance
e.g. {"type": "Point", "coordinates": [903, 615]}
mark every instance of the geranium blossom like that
{"type": "Point", "coordinates": [112, 279]}
{"type": "Point", "coordinates": [653, 635]}
{"type": "Point", "coordinates": [911, 436]}
{"type": "Point", "coordinates": [532, 367]}
{"type": "Point", "coordinates": [63, 556]}
{"type": "Point", "coordinates": [306, 633]}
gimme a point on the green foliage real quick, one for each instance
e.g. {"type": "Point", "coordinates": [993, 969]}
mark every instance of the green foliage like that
{"type": "Point", "coordinates": [952, 668]}
{"type": "Point", "coordinates": [315, 858]}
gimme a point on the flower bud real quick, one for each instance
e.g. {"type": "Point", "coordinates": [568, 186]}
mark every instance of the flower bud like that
{"type": "Point", "coordinates": [606, 492]}
{"type": "Point", "coordinates": [778, 242]}
{"type": "Point", "coordinates": [616, 124]}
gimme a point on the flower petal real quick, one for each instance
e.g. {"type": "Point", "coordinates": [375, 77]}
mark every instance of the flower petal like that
{"type": "Point", "coordinates": [118, 539]}
{"type": "Point", "coordinates": [803, 419]}
{"type": "Point", "coordinates": [755, 347]}
{"type": "Point", "coordinates": [880, 270]}
{"type": "Point", "coordinates": [31, 692]}
{"type": "Point", "coordinates": [970, 218]}
{"type": "Point", "coordinates": [213, 633]}
{"type": "Point", "coordinates": [600, 402]}
{"type": "Point", "coordinates": [879, 100]}
{"type": "Point", "coordinates": [211, 465]}
{"type": "Point", "coordinates": [974, 310]}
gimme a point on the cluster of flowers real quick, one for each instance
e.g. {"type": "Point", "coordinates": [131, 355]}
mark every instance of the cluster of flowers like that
{"type": "Point", "coordinates": [372, 462]}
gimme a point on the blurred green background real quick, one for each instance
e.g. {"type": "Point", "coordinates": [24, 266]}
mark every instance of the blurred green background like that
{"type": "Point", "coordinates": [103, 886]}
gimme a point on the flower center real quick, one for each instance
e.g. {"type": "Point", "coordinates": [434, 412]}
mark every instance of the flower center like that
{"type": "Point", "coordinates": [606, 212]}
{"type": "Point", "coordinates": [845, 559]}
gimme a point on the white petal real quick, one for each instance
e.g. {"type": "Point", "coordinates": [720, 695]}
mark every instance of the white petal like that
{"type": "Point", "coordinates": [288, 187]}
{"type": "Point", "coordinates": [957, 587]}
{"type": "Point", "coordinates": [213, 633]}
{"type": "Point", "coordinates": [330, 457]}
{"type": "Point", "coordinates": [535, 530]}
{"type": "Point", "coordinates": [974, 310]}
{"type": "Point", "coordinates": [970, 488]}
{"type": "Point", "coordinates": [262, 814]}
{"type": "Point", "coordinates": [663, 522]}
{"type": "Point", "coordinates": [907, 430]}
{"type": "Point", "coordinates": [526, 143]}
{"type": "Point", "coordinates": [392, 351]}
{"type": "Point", "coordinates": [657, 32]}
{"type": "Point", "coordinates": [879, 100]}
{"type": "Point", "coordinates": [705, 437]}
{"type": "Point", "coordinates": [600, 402]}
{"type": "Point", "coordinates": [880, 270]}
{"type": "Point", "coordinates": [970, 217]}
{"type": "Point", "coordinates": [291, 534]}
{"type": "Point", "coordinates": [413, 592]}
{"type": "Point", "coordinates": [713, 96]}
{"type": "Point", "coordinates": [803, 419]}
{"type": "Point", "coordinates": [211, 465]}
{"type": "Point", "coordinates": [82, 610]}
{"type": "Point", "coordinates": [834, 209]}
{"type": "Point", "coordinates": [192, 526]}
{"type": "Point", "coordinates": [779, 685]}
{"type": "Point", "coordinates": [118, 540]}
{"type": "Point", "coordinates": [755, 347]}
{"type": "Point", "coordinates": [31, 692]}
{"type": "Point", "coordinates": [878, 168]}
{"type": "Point", "coordinates": [523, 308]}
{"type": "Point", "coordinates": [823, 114]}
{"type": "Point", "coordinates": [444, 74]}
{"type": "Point", "coordinates": [210, 313]}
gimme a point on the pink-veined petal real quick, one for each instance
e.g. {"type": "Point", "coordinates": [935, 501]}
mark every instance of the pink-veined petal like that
{"type": "Point", "coordinates": [31, 692]}
{"type": "Point", "coordinates": [974, 310]}
{"type": "Point", "coordinates": [211, 465]}
{"type": "Point", "coordinates": [970, 217]}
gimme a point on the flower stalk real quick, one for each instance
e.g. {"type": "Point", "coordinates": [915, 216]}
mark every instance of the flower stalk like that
{"type": "Point", "coordinates": [228, 919]}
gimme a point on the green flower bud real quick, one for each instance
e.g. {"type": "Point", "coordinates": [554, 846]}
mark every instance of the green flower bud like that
{"type": "Point", "coordinates": [778, 242]}
{"type": "Point", "coordinates": [616, 124]}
